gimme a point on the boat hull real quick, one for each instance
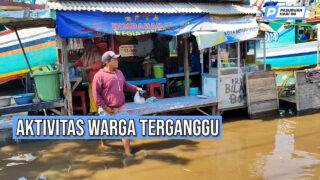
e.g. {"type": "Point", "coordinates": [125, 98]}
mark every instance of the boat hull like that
{"type": "Point", "coordinates": [40, 48]}
{"type": "Point", "coordinates": [292, 56]}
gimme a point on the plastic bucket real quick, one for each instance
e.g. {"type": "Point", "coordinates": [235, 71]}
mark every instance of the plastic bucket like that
{"type": "Point", "coordinates": [158, 70]}
{"type": "Point", "coordinates": [48, 85]}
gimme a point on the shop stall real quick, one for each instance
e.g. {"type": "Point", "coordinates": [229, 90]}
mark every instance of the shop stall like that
{"type": "Point", "coordinates": [145, 40]}
{"type": "Point", "coordinates": [156, 47]}
{"type": "Point", "coordinates": [128, 29]}
{"type": "Point", "coordinates": [225, 65]}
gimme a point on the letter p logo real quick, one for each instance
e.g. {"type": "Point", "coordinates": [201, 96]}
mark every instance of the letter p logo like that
{"type": "Point", "coordinates": [270, 12]}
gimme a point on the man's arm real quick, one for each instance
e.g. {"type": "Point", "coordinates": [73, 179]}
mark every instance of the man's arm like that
{"type": "Point", "coordinates": [98, 92]}
{"type": "Point", "coordinates": [96, 66]}
{"type": "Point", "coordinates": [77, 64]}
{"type": "Point", "coordinates": [128, 87]}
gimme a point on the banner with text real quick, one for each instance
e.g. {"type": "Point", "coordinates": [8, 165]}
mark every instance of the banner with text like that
{"type": "Point", "coordinates": [117, 127]}
{"type": "Point", "coordinates": [80, 24]}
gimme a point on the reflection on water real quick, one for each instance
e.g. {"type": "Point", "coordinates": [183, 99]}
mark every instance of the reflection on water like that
{"type": "Point", "coordinates": [284, 162]}
{"type": "Point", "coordinates": [273, 149]}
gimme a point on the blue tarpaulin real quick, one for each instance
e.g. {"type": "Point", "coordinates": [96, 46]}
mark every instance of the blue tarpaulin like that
{"type": "Point", "coordinates": [81, 24]}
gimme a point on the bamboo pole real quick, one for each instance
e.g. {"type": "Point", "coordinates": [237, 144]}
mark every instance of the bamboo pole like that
{"type": "Point", "coordinates": [21, 46]}
{"type": "Point", "coordinates": [67, 85]}
{"type": "Point", "coordinates": [28, 78]}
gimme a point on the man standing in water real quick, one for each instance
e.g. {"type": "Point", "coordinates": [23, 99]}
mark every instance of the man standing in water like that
{"type": "Point", "coordinates": [108, 86]}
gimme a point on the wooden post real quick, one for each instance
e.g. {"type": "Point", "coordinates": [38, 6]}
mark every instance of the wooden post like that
{"type": "Point", "coordinates": [239, 55]}
{"type": "Point", "coordinates": [201, 60]}
{"type": "Point", "coordinates": [210, 61]}
{"type": "Point", "coordinates": [67, 85]}
{"type": "Point", "coordinates": [28, 83]}
{"type": "Point", "coordinates": [112, 43]}
{"type": "Point", "coordinates": [186, 66]}
{"type": "Point", "coordinates": [264, 55]}
{"type": "Point", "coordinates": [201, 73]}
{"type": "Point", "coordinates": [255, 51]}
{"type": "Point", "coordinates": [318, 44]}
{"type": "Point", "coordinates": [214, 110]}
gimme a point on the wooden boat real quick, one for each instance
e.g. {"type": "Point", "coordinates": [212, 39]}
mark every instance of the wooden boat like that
{"type": "Point", "coordinates": [40, 48]}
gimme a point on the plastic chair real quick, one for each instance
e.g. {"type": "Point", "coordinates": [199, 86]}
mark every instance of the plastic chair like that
{"type": "Point", "coordinates": [83, 106]}
{"type": "Point", "coordinates": [151, 88]}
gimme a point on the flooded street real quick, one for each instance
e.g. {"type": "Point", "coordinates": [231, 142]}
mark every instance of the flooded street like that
{"type": "Point", "coordinates": [287, 148]}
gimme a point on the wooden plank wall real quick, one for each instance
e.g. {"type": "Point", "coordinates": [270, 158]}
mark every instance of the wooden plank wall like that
{"type": "Point", "coordinates": [262, 95]}
{"type": "Point", "coordinates": [307, 94]}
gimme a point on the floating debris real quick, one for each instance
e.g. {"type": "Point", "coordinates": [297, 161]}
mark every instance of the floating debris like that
{"type": "Point", "coordinates": [22, 178]}
{"type": "Point", "coordinates": [188, 170]}
{"type": "Point", "coordinates": [41, 177]}
{"type": "Point", "coordinates": [22, 157]}
{"type": "Point", "coordinates": [14, 164]}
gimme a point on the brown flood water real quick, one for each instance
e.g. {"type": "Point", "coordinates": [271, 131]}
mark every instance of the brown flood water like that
{"type": "Point", "coordinates": [287, 148]}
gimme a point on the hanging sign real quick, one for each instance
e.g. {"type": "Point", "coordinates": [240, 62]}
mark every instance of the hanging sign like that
{"type": "Point", "coordinates": [128, 50]}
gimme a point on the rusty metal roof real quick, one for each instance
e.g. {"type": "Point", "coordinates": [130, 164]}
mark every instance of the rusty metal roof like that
{"type": "Point", "coordinates": [152, 7]}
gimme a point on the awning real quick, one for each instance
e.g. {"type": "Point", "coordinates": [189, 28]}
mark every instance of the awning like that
{"type": "Point", "coordinates": [81, 24]}
{"type": "Point", "coordinates": [209, 39]}
{"type": "Point", "coordinates": [236, 28]}
{"type": "Point", "coordinates": [229, 30]}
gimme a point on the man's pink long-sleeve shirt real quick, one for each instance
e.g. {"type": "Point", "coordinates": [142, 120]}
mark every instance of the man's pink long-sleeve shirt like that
{"type": "Point", "coordinates": [108, 87]}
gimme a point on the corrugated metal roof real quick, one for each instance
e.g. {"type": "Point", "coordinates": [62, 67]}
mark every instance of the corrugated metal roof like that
{"type": "Point", "coordinates": [166, 1]}
{"type": "Point", "coordinates": [151, 7]}
{"type": "Point", "coordinates": [224, 9]}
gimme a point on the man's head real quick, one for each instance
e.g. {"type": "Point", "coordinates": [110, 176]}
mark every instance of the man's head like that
{"type": "Point", "coordinates": [87, 44]}
{"type": "Point", "coordinates": [110, 59]}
